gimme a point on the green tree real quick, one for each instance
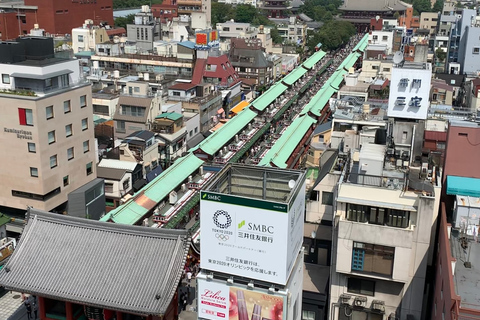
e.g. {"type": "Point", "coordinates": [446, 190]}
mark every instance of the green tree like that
{"type": "Point", "coordinates": [121, 22]}
{"type": "Point", "coordinates": [221, 12]}
{"type": "Point", "coordinates": [320, 10]}
{"type": "Point", "coordinates": [245, 13]}
{"type": "Point", "coordinates": [440, 54]}
{"type": "Point", "coordinates": [276, 38]}
{"type": "Point", "coordinates": [438, 6]}
{"type": "Point", "coordinates": [332, 35]}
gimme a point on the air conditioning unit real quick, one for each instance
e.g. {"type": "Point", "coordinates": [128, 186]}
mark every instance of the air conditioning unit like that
{"type": "Point", "coordinates": [345, 298]}
{"type": "Point", "coordinates": [200, 170]}
{"type": "Point", "coordinates": [184, 187]}
{"type": "Point", "coordinates": [378, 305]}
{"type": "Point", "coordinates": [360, 302]}
{"type": "Point", "coordinates": [172, 198]}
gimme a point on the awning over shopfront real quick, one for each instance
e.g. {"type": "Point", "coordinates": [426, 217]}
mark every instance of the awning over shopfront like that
{"type": "Point", "coordinates": [463, 186]}
{"type": "Point", "coordinates": [239, 107]}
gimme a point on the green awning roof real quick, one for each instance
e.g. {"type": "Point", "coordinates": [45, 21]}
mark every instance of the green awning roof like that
{"type": "Point", "coordinates": [4, 219]}
{"type": "Point", "coordinates": [227, 132]}
{"type": "Point", "coordinates": [293, 76]}
{"type": "Point", "coordinates": [169, 115]}
{"type": "Point", "coordinates": [463, 186]}
{"type": "Point", "coordinates": [313, 59]}
{"type": "Point", "coordinates": [269, 96]}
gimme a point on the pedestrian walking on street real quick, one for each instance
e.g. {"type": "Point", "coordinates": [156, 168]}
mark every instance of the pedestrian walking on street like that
{"type": "Point", "coordinates": [28, 306]}
{"type": "Point", "coordinates": [35, 310]}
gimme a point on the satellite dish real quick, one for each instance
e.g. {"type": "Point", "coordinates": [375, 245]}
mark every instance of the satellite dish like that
{"type": "Point", "coordinates": [398, 57]}
{"type": "Point", "coordinates": [291, 184]}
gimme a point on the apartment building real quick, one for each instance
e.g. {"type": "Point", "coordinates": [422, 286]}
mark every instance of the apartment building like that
{"type": "Point", "coordinates": [381, 237]}
{"type": "Point", "coordinates": [136, 109]}
{"type": "Point", "coordinates": [88, 36]}
{"type": "Point", "coordinates": [47, 122]}
{"type": "Point", "coordinates": [145, 30]}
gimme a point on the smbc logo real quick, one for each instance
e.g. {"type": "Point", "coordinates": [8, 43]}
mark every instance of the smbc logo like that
{"type": "Point", "coordinates": [256, 227]}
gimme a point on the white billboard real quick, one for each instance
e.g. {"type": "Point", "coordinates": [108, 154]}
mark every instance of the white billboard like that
{"type": "Point", "coordinates": [217, 301]}
{"type": "Point", "coordinates": [251, 238]}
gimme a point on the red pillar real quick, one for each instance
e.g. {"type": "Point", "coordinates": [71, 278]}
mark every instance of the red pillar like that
{"type": "Point", "coordinates": [69, 310]}
{"type": "Point", "coordinates": [119, 315]}
{"type": "Point", "coordinates": [41, 308]}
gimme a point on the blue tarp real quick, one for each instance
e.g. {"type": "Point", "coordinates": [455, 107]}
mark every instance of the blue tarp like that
{"type": "Point", "coordinates": [463, 186]}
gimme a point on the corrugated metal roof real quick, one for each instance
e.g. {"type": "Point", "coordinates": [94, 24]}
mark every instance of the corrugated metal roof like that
{"type": "Point", "coordinates": [283, 148]}
{"type": "Point", "coordinates": [292, 77]}
{"type": "Point", "coordinates": [118, 164]}
{"type": "Point", "coordinates": [154, 192]}
{"type": "Point", "coordinates": [463, 186]}
{"type": "Point", "coordinates": [97, 264]}
{"type": "Point", "coordinates": [220, 137]}
{"type": "Point", "coordinates": [187, 44]}
{"type": "Point", "coordinates": [313, 59]}
{"type": "Point", "coordinates": [269, 96]}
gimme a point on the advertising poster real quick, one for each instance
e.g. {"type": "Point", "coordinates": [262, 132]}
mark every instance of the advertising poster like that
{"type": "Point", "coordinates": [243, 236]}
{"type": "Point", "coordinates": [244, 240]}
{"type": "Point", "coordinates": [220, 302]}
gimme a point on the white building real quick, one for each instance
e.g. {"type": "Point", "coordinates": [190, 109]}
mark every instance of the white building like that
{"type": "Point", "coordinates": [410, 90]}
{"type": "Point", "coordinates": [381, 239]}
{"type": "Point", "coordinates": [383, 38]}
{"type": "Point", "coordinates": [86, 37]}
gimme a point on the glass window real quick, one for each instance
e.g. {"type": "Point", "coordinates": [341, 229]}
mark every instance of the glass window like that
{"type": "Point", "coordinates": [86, 146]}
{"type": "Point", "coordinates": [308, 315]}
{"type": "Point", "coordinates": [5, 78]}
{"type": "Point", "coordinates": [33, 172]}
{"type": "Point", "coordinates": [398, 218]}
{"type": "Point", "coordinates": [66, 181]}
{"type": "Point", "coordinates": [70, 153]}
{"type": "Point", "coordinates": [66, 106]}
{"type": "Point", "coordinates": [327, 198]}
{"type": "Point", "coordinates": [68, 130]}
{"type": "Point", "coordinates": [356, 213]}
{"type": "Point", "coordinates": [51, 137]}
{"type": "Point", "coordinates": [84, 124]}
{"type": "Point", "coordinates": [89, 168]}
{"type": "Point", "coordinates": [25, 117]}
{"type": "Point", "coordinates": [476, 50]}
{"type": "Point", "coordinates": [31, 147]}
{"type": "Point", "coordinates": [53, 161]}
{"type": "Point", "coordinates": [126, 184]}
{"type": "Point", "coordinates": [83, 101]}
{"type": "Point", "coordinates": [49, 112]}
{"type": "Point", "coordinates": [120, 126]}
{"type": "Point", "coordinates": [80, 38]}
{"type": "Point", "coordinates": [376, 216]}
{"type": "Point", "coordinates": [372, 258]}
{"type": "Point", "coordinates": [361, 286]}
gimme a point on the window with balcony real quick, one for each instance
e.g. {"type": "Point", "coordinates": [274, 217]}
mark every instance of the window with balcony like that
{"type": "Point", "coordinates": [132, 111]}
{"type": "Point", "coordinates": [374, 259]}
{"type": "Point", "coordinates": [361, 286]}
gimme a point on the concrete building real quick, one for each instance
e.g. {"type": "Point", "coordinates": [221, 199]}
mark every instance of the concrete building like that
{"type": "Point", "coordinates": [230, 29]}
{"type": "Point", "coordinates": [469, 46]}
{"type": "Point", "coordinates": [381, 238]}
{"type": "Point", "coordinates": [48, 126]}
{"type": "Point", "coordinates": [319, 143]}
{"type": "Point", "coordinates": [292, 30]}
{"type": "Point", "coordinates": [381, 37]}
{"type": "Point", "coordinates": [145, 30]}
{"type": "Point", "coordinates": [441, 92]}
{"type": "Point", "coordinates": [429, 21]}
{"type": "Point", "coordinates": [199, 12]}
{"type": "Point", "coordinates": [172, 132]}
{"type": "Point", "coordinates": [88, 36]}
{"type": "Point", "coordinates": [473, 95]}
{"type": "Point", "coordinates": [118, 183]}
{"type": "Point", "coordinates": [140, 147]}
{"type": "Point", "coordinates": [52, 16]}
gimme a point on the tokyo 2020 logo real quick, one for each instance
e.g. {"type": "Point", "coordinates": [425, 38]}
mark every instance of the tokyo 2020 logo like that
{"type": "Point", "coordinates": [222, 219]}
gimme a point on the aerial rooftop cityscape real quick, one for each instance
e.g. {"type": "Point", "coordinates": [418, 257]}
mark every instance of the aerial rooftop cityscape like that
{"type": "Point", "coordinates": [239, 160]}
